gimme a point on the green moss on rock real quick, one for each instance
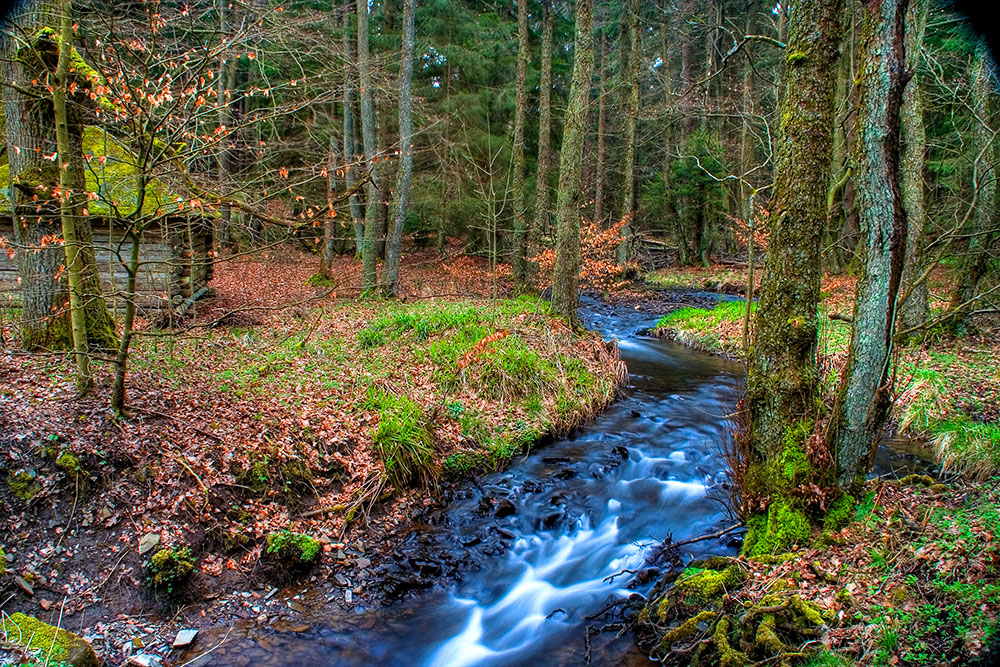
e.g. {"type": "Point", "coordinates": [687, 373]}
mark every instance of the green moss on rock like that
{"type": "Point", "coordinates": [23, 485]}
{"type": "Point", "coordinates": [3, 562]}
{"type": "Point", "coordinates": [169, 569]}
{"type": "Point", "coordinates": [297, 551]}
{"type": "Point", "coordinates": [54, 644]}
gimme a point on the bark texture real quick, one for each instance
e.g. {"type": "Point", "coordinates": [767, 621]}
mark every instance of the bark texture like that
{"type": "Point", "coordinates": [782, 387]}
{"type": "Point", "coordinates": [631, 119]}
{"type": "Point", "coordinates": [865, 394]}
{"type": "Point", "coordinates": [394, 249]}
{"type": "Point", "coordinates": [369, 246]}
{"type": "Point", "coordinates": [519, 268]}
{"type": "Point", "coordinates": [913, 311]}
{"type": "Point", "coordinates": [568, 198]}
{"type": "Point", "coordinates": [982, 226]}
{"type": "Point", "coordinates": [28, 58]}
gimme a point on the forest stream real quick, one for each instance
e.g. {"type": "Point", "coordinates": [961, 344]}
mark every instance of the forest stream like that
{"type": "Point", "coordinates": [540, 541]}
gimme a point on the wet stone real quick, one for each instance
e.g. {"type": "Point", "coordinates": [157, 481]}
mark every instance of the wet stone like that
{"type": "Point", "coordinates": [505, 508]}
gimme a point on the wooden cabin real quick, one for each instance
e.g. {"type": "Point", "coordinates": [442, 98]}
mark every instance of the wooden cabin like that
{"type": "Point", "coordinates": [177, 247]}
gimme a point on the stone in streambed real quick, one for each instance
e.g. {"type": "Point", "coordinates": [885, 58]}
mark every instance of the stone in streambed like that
{"type": "Point", "coordinates": [504, 508]}
{"type": "Point", "coordinates": [62, 646]}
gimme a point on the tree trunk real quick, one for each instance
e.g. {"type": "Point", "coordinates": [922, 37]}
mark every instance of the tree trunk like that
{"type": "Point", "coordinates": [350, 145]}
{"type": "Point", "coordinates": [913, 311]}
{"type": "Point", "coordinates": [369, 246]}
{"type": "Point", "coordinates": [782, 382]}
{"type": "Point", "coordinates": [542, 189]}
{"type": "Point", "coordinates": [69, 196]}
{"type": "Point", "coordinates": [225, 83]}
{"type": "Point", "coordinates": [391, 272]}
{"type": "Point", "coordinates": [865, 394]}
{"type": "Point", "coordinates": [602, 132]}
{"type": "Point", "coordinates": [631, 119]}
{"type": "Point", "coordinates": [31, 135]}
{"type": "Point", "coordinates": [520, 271]}
{"type": "Point", "coordinates": [974, 261]}
{"type": "Point", "coordinates": [567, 266]}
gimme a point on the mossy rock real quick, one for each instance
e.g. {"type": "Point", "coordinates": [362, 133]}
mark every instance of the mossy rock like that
{"type": "Point", "coordinates": [917, 480]}
{"type": "Point", "coordinates": [169, 569]}
{"type": "Point", "coordinates": [57, 646]}
{"type": "Point", "coordinates": [296, 476]}
{"type": "Point", "coordinates": [227, 541]}
{"type": "Point", "coordinates": [289, 554]}
{"type": "Point", "coordinates": [24, 485]}
{"type": "Point", "coordinates": [256, 476]}
{"type": "Point", "coordinates": [3, 562]}
{"type": "Point", "coordinates": [70, 464]}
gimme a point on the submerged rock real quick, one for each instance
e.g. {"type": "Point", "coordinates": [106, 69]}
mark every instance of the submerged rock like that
{"type": "Point", "coordinates": [504, 508]}
{"type": "Point", "coordinates": [60, 646]}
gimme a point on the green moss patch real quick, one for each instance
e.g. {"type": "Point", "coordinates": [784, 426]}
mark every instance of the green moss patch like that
{"type": "Point", "coordinates": [169, 569]}
{"type": "Point", "coordinates": [52, 645]}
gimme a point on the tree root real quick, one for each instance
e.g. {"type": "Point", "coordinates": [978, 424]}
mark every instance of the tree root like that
{"type": "Point", "coordinates": [698, 620]}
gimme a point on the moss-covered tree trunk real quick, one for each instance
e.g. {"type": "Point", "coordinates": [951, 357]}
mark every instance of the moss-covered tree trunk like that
{"type": "Point", "coordinates": [602, 129]}
{"type": "Point", "coordinates": [29, 58]}
{"type": "Point", "coordinates": [519, 264]}
{"type": "Point", "coordinates": [542, 190]}
{"type": "Point", "coordinates": [782, 400]}
{"type": "Point", "coordinates": [631, 120]}
{"type": "Point", "coordinates": [70, 202]}
{"type": "Point", "coordinates": [913, 308]}
{"type": "Point", "coordinates": [865, 393]}
{"type": "Point", "coordinates": [568, 198]}
{"type": "Point", "coordinates": [982, 226]}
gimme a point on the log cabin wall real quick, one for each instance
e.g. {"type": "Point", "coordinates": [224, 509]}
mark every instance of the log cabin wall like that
{"type": "Point", "coordinates": [176, 262]}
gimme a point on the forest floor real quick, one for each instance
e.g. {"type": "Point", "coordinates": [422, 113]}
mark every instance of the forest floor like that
{"type": "Point", "coordinates": [285, 405]}
{"type": "Point", "coordinates": [913, 578]}
{"type": "Point", "coordinates": [288, 405]}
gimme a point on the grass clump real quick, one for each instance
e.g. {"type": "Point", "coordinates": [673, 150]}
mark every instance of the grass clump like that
{"type": "Point", "coordinates": [402, 439]}
{"type": "Point", "coordinates": [169, 569]}
{"type": "Point", "coordinates": [704, 328]}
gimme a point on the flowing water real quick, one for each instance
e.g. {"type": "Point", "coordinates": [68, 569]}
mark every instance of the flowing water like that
{"type": "Point", "coordinates": [574, 513]}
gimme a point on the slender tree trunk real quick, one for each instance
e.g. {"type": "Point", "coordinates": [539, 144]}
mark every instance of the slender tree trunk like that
{"type": "Point", "coordinates": [329, 250]}
{"type": "Point", "coordinates": [391, 273]}
{"type": "Point", "coordinates": [227, 71]}
{"type": "Point", "coordinates": [913, 311]}
{"type": "Point", "coordinates": [782, 382]}
{"type": "Point", "coordinates": [602, 132]}
{"type": "Point", "coordinates": [631, 119]}
{"type": "Point", "coordinates": [747, 157]}
{"type": "Point", "coordinates": [67, 197]}
{"type": "Point", "coordinates": [865, 394]}
{"type": "Point", "coordinates": [520, 270]}
{"type": "Point", "coordinates": [542, 189]}
{"type": "Point", "coordinates": [369, 247]}
{"type": "Point", "coordinates": [121, 358]}
{"type": "Point", "coordinates": [974, 262]}
{"type": "Point", "coordinates": [383, 142]}
{"type": "Point", "coordinates": [567, 266]}
{"type": "Point", "coordinates": [350, 145]}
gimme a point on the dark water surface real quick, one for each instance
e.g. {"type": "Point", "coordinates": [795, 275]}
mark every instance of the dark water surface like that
{"type": "Point", "coordinates": [585, 507]}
